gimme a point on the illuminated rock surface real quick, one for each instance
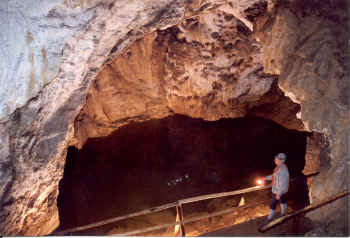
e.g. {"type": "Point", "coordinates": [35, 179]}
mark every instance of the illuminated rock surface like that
{"type": "Point", "coordinates": [312, 59]}
{"type": "Point", "coordinates": [72, 70]}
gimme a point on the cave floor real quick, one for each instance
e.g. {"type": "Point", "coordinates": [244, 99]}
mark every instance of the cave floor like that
{"type": "Point", "coordinates": [250, 228]}
{"type": "Point", "coordinates": [243, 222]}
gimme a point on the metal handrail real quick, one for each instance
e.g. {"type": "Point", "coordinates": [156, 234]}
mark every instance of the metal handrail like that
{"type": "Point", "coordinates": [162, 207]}
{"type": "Point", "coordinates": [306, 209]}
{"type": "Point", "coordinates": [193, 219]}
{"type": "Point", "coordinates": [177, 204]}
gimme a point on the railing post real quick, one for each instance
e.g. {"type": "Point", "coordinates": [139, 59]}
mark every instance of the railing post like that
{"type": "Point", "coordinates": [179, 214]}
{"type": "Point", "coordinates": [183, 233]}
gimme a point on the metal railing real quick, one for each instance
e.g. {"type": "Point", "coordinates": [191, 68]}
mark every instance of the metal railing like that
{"type": "Point", "coordinates": [178, 204]}
{"type": "Point", "coordinates": [304, 210]}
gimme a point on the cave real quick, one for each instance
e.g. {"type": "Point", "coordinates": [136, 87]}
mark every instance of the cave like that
{"type": "Point", "coordinates": [148, 164]}
{"type": "Point", "coordinates": [156, 96]}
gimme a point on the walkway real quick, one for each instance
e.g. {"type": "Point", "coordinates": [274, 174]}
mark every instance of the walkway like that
{"type": "Point", "coordinates": [251, 227]}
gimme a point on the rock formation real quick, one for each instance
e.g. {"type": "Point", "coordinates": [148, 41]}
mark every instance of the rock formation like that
{"type": "Point", "coordinates": [79, 69]}
{"type": "Point", "coordinates": [311, 54]}
{"type": "Point", "coordinates": [36, 135]}
{"type": "Point", "coordinates": [210, 68]}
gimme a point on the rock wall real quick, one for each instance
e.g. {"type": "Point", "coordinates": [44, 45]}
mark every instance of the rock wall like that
{"type": "Point", "coordinates": [316, 144]}
{"type": "Point", "coordinates": [37, 134]}
{"type": "Point", "coordinates": [129, 89]}
{"type": "Point", "coordinates": [311, 53]}
{"type": "Point", "coordinates": [52, 52]}
{"type": "Point", "coordinates": [34, 35]}
{"type": "Point", "coordinates": [55, 49]}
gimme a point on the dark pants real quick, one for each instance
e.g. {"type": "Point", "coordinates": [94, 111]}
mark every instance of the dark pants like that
{"type": "Point", "coordinates": [273, 203]}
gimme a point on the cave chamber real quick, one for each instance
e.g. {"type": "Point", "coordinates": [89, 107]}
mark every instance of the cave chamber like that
{"type": "Point", "coordinates": [182, 112]}
{"type": "Point", "coordinates": [130, 106]}
{"type": "Point", "coordinates": [148, 164]}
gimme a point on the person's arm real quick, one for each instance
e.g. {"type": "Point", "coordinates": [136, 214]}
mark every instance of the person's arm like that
{"type": "Point", "coordinates": [268, 177]}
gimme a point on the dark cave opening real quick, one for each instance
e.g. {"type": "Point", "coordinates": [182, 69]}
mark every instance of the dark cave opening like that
{"type": "Point", "coordinates": [148, 164]}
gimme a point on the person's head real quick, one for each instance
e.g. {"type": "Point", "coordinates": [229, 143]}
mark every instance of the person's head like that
{"type": "Point", "coordinates": [280, 158]}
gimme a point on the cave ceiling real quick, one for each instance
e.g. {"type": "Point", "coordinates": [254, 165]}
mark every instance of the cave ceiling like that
{"type": "Point", "coordinates": [208, 66]}
{"type": "Point", "coordinates": [74, 70]}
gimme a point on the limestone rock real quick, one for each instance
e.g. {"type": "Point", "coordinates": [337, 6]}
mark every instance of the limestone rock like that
{"type": "Point", "coordinates": [38, 133]}
{"type": "Point", "coordinates": [213, 67]}
{"type": "Point", "coordinates": [54, 49]}
{"type": "Point", "coordinates": [274, 105]}
{"type": "Point", "coordinates": [312, 58]}
{"type": "Point", "coordinates": [33, 36]}
{"type": "Point", "coordinates": [52, 52]}
{"type": "Point", "coordinates": [209, 67]}
{"type": "Point", "coordinates": [316, 145]}
{"type": "Point", "coordinates": [6, 173]}
{"type": "Point", "coordinates": [127, 90]}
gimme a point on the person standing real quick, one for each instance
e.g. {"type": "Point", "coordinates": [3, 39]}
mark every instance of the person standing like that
{"type": "Point", "coordinates": [280, 185]}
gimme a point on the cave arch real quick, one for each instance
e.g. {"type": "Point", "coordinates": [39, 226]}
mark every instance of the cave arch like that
{"type": "Point", "coordinates": [38, 134]}
{"type": "Point", "coordinates": [159, 161]}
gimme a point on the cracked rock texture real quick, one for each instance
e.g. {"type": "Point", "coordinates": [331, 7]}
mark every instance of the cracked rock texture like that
{"type": "Point", "coordinates": [36, 135]}
{"type": "Point", "coordinates": [311, 54]}
{"type": "Point", "coordinates": [52, 52]}
{"type": "Point", "coordinates": [61, 56]}
{"type": "Point", "coordinates": [34, 35]}
{"type": "Point", "coordinates": [209, 67]}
